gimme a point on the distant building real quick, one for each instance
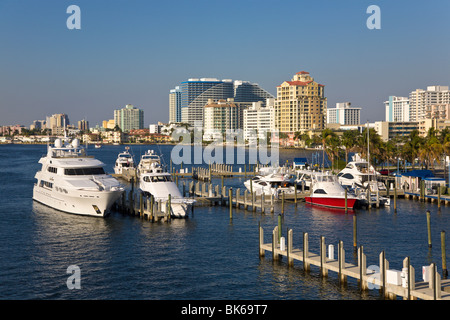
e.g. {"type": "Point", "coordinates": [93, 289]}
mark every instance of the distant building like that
{"type": "Point", "coordinates": [300, 105]}
{"type": "Point", "coordinates": [219, 117]}
{"type": "Point", "coordinates": [259, 120]}
{"type": "Point", "coordinates": [195, 94]}
{"type": "Point", "coordinates": [389, 130]}
{"type": "Point", "coordinates": [109, 124]}
{"type": "Point", "coordinates": [429, 104]}
{"type": "Point", "coordinates": [175, 105]}
{"type": "Point", "coordinates": [397, 109]}
{"type": "Point", "coordinates": [129, 118]}
{"type": "Point", "coordinates": [155, 128]}
{"type": "Point", "coordinates": [57, 123]}
{"type": "Point", "coordinates": [38, 125]}
{"type": "Point", "coordinates": [83, 125]}
{"type": "Point", "coordinates": [344, 114]}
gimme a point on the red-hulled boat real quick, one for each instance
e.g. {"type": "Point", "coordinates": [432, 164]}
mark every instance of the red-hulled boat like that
{"type": "Point", "coordinates": [327, 192]}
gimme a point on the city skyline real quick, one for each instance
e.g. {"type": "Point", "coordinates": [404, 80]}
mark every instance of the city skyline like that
{"type": "Point", "coordinates": [134, 53]}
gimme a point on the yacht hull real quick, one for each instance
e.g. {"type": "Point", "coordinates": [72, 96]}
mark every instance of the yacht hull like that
{"type": "Point", "coordinates": [90, 203]}
{"type": "Point", "coordinates": [331, 202]}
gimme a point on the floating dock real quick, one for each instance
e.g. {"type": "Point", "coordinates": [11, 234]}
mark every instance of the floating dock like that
{"type": "Point", "coordinates": [391, 283]}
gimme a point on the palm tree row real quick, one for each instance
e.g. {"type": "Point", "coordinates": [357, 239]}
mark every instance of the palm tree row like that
{"type": "Point", "coordinates": [415, 149]}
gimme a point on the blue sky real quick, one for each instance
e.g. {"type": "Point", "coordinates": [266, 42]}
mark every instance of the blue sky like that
{"type": "Point", "coordinates": [136, 51]}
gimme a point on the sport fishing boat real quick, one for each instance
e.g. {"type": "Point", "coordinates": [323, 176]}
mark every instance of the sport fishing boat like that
{"type": "Point", "coordinates": [158, 183]}
{"type": "Point", "coordinates": [73, 182]}
{"type": "Point", "coordinates": [124, 160]}
{"type": "Point", "coordinates": [326, 191]}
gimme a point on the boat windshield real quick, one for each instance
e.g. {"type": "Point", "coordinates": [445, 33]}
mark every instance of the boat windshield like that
{"type": "Point", "coordinates": [164, 178]}
{"type": "Point", "coordinates": [84, 171]}
{"type": "Point", "coordinates": [326, 178]}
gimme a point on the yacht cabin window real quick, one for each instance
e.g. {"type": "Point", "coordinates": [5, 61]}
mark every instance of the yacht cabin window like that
{"type": "Point", "coordinates": [84, 171]}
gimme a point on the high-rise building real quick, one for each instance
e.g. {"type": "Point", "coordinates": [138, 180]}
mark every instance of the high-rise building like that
{"type": "Point", "coordinates": [259, 120]}
{"type": "Point", "coordinates": [195, 94]}
{"type": "Point", "coordinates": [83, 125]}
{"type": "Point", "coordinates": [219, 117]}
{"type": "Point", "coordinates": [175, 104]}
{"type": "Point", "coordinates": [57, 123]}
{"type": "Point", "coordinates": [300, 105]}
{"type": "Point", "coordinates": [344, 114]}
{"type": "Point", "coordinates": [397, 109]}
{"type": "Point", "coordinates": [129, 118]}
{"type": "Point", "coordinates": [245, 91]}
{"type": "Point", "coordinates": [429, 104]}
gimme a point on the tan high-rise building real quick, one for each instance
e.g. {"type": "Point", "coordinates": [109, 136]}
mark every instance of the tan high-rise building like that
{"type": "Point", "coordinates": [300, 104]}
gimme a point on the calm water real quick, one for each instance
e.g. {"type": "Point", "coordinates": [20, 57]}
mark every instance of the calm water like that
{"type": "Point", "coordinates": [206, 256]}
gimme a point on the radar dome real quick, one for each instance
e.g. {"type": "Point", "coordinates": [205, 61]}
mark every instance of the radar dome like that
{"type": "Point", "coordinates": [76, 143]}
{"type": "Point", "coordinates": [58, 143]}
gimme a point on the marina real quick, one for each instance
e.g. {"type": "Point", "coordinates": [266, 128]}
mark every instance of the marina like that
{"type": "Point", "coordinates": [213, 224]}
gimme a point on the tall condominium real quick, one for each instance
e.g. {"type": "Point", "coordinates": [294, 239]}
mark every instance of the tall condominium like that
{"type": "Point", "coordinates": [129, 118]}
{"type": "Point", "coordinates": [220, 117]}
{"type": "Point", "coordinates": [245, 91]}
{"type": "Point", "coordinates": [344, 114]}
{"type": "Point", "coordinates": [57, 123]}
{"type": "Point", "coordinates": [175, 104]}
{"type": "Point", "coordinates": [397, 109]}
{"type": "Point", "coordinates": [432, 103]}
{"type": "Point", "coordinates": [195, 94]}
{"type": "Point", "coordinates": [83, 125]}
{"type": "Point", "coordinates": [258, 120]}
{"type": "Point", "coordinates": [300, 105]}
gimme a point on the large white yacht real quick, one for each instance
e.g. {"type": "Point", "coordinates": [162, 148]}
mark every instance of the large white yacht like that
{"type": "Point", "coordinates": [124, 160]}
{"type": "Point", "coordinates": [73, 182]}
{"type": "Point", "coordinates": [159, 183]}
{"type": "Point", "coordinates": [147, 159]}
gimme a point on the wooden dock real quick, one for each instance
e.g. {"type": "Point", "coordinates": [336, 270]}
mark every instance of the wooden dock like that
{"type": "Point", "coordinates": [391, 283]}
{"type": "Point", "coordinates": [135, 204]}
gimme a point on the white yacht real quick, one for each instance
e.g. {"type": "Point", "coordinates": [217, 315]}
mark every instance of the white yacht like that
{"type": "Point", "coordinates": [73, 182]}
{"type": "Point", "coordinates": [124, 160]}
{"type": "Point", "coordinates": [147, 159]}
{"type": "Point", "coordinates": [159, 183]}
{"type": "Point", "coordinates": [274, 183]}
{"type": "Point", "coordinates": [358, 174]}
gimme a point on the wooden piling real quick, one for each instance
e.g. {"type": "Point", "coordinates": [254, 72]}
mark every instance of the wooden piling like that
{"type": "Point", "coordinates": [305, 251]}
{"type": "Point", "coordinates": [261, 241]}
{"type": "Point", "coordinates": [429, 228]}
{"type": "Point", "coordinates": [355, 245]}
{"type": "Point", "coordinates": [230, 201]}
{"type": "Point", "coordinates": [289, 248]}
{"type": "Point", "coordinates": [444, 258]}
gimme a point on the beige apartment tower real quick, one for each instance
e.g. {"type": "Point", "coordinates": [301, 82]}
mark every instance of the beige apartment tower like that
{"type": "Point", "coordinates": [300, 105]}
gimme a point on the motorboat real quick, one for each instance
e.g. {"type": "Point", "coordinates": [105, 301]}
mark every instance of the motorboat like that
{"type": "Point", "coordinates": [124, 160]}
{"type": "Point", "coordinates": [271, 184]}
{"type": "Point", "coordinates": [326, 191]}
{"type": "Point", "coordinates": [73, 182]}
{"type": "Point", "coordinates": [304, 178]}
{"type": "Point", "coordinates": [359, 174]}
{"type": "Point", "coordinates": [158, 183]}
{"type": "Point", "coordinates": [98, 146]}
{"type": "Point", "coordinates": [147, 159]}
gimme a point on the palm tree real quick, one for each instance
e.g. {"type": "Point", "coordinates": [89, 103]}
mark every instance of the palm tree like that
{"type": "Point", "coordinates": [348, 140]}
